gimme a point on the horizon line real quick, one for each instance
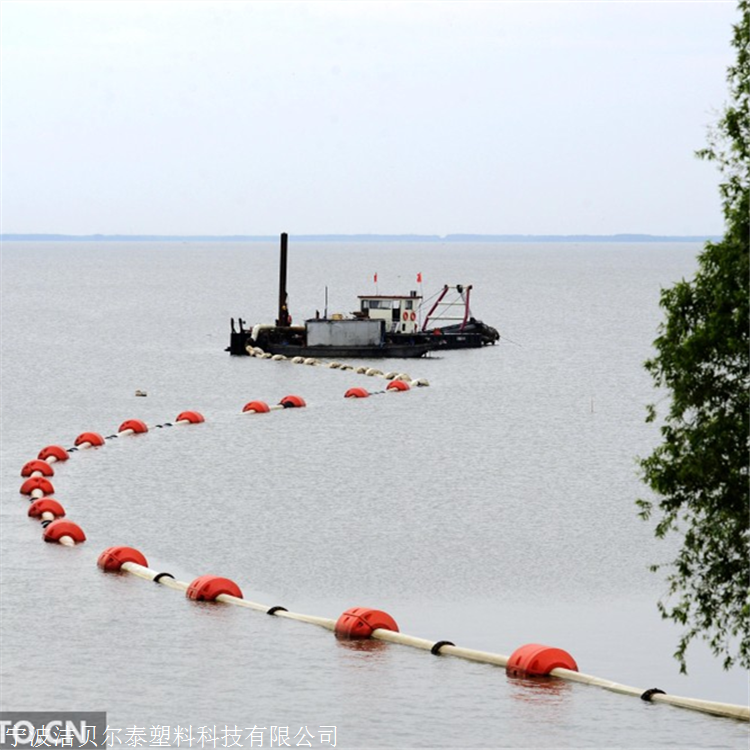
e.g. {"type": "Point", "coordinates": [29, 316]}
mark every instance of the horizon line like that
{"type": "Point", "coordinates": [361, 237]}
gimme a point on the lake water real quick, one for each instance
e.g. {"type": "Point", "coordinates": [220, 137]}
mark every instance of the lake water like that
{"type": "Point", "coordinates": [494, 508]}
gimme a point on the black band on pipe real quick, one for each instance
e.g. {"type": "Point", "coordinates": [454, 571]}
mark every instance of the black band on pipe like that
{"type": "Point", "coordinates": [45, 523]}
{"type": "Point", "coordinates": [435, 650]}
{"type": "Point", "coordinates": [72, 450]}
{"type": "Point", "coordinates": [651, 692]}
{"type": "Point", "coordinates": [111, 437]}
{"type": "Point", "coordinates": [159, 576]}
{"type": "Point", "coordinates": [274, 610]}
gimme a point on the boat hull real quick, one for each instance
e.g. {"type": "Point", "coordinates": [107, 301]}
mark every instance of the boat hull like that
{"type": "Point", "coordinates": [295, 346]}
{"type": "Point", "coordinates": [388, 351]}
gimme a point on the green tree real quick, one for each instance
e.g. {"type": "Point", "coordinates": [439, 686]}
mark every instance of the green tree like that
{"type": "Point", "coordinates": [699, 472]}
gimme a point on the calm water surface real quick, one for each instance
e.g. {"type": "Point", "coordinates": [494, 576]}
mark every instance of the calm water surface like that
{"type": "Point", "coordinates": [494, 508]}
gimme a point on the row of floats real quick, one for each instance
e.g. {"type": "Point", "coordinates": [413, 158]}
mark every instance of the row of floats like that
{"type": "Point", "coordinates": [532, 659]}
{"type": "Point", "coordinates": [255, 351]}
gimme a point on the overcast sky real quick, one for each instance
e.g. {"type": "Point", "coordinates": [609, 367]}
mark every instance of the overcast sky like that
{"type": "Point", "coordinates": [344, 117]}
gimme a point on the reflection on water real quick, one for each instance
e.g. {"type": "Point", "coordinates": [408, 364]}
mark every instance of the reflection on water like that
{"type": "Point", "coordinates": [369, 646]}
{"type": "Point", "coordinates": [535, 689]}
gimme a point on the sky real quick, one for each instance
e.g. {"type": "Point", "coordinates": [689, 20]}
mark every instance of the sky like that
{"type": "Point", "coordinates": [361, 117]}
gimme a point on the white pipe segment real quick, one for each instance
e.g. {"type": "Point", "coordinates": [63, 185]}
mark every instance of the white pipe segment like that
{"type": "Point", "coordinates": [149, 574]}
{"type": "Point", "coordinates": [229, 599]}
{"type": "Point", "coordinates": [125, 432]}
{"type": "Point", "coordinates": [712, 707]}
{"type": "Point", "coordinates": [709, 707]}
{"type": "Point", "coordinates": [36, 494]}
{"type": "Point", "coordinates": [401, 638]}
{"type": "Point", "coordinates": [485, 657]}
{"type": "Point", "coordinates": [67, 541]}
{"type": "Point", "coordinates": [588, 679]}
{"type": "Point", "coordinates": [323, 622]}
{"type": "Point", "coordinates": [171, 583]}
{"type": "Point", "coordinates": [139, 570]}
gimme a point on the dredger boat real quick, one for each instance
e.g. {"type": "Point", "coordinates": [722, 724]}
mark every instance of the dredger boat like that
{"type": "Point", "coordinates": [385, 326]}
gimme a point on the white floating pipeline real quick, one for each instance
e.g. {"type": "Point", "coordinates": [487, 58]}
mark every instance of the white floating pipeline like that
{"type": "Point", "coordinates": [355, 623]}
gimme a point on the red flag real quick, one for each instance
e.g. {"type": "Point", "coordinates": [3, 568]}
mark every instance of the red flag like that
{"type": "Point", "coordinates": [375, 277]}
{"type": "Point", "coordinates": [419, 278]}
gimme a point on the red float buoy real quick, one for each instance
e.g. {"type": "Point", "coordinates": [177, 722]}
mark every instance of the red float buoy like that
{"type": "Point", "coordinates": [207, 588]}
{"type": "Point", "coordinates": [60, 528]}
{"type": "Point", "coordinates": [259, 407]}
{"type": "Point", "coordinates": [37, 483]}
{"type": "Point", "coordinates": [46, 505]}
{"type": "Point", "coordinates": [356, 393]}
{"type": "Point", "coordinates": [359, 622]}
{"type": "Point", "coordinates": [37, 465]}
{"type": "Point", "coordinates": [293, 402]}
{"type": "Point", "coordinates": [93, 438]}
{"type": "Point", "coordinates": [113, 558]}
{"type": "Point", "coordinates": [397, 385]}
{"type": "Point", "coordinates": [53, 451]}
{"type": "Point", "coordinates": [133, 424]}
{"type": "Point", "coordinates": [537, 659]}
{"type": "Point", "coordinates": [193, 417]}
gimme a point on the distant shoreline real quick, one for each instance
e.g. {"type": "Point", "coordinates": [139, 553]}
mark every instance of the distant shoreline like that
{"type": "Point", "coordinates": [428, 238]}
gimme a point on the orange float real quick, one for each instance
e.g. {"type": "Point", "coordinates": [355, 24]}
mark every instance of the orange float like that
{"type": "Point", "coordinates": [259, 407]}
{"type": "Point", "coordinates": [193, 417]}
{"type": "Point", "coordinates": [37, 483]}
{"type": "Point", "coordinates": [37, 465]}
{"type": "Point", "coordinates": [293, 402]}
{"type": "Point", "coordinates": [46, 505]}
{"type": "Point", "coordinates": [93, 438]}
{"type": "Point", "coordinates": [60, 528]}
{"type": "Point", "coordinates": [112, 558]}
{"type": "Point", "coordinates": [537, 659]}
{"type": "Point", "coordinates": [359, 622]}
{"type": "Point", "coordinates": [356, 393]}
{"type": "Point", "coordinates": [397, 385]}
{"type": "Point", "coordinates": [207, 588]}
{"type": "Point", "coordinates": [54, 451]}
{"type": "Point", "coordinates": [133, 424]}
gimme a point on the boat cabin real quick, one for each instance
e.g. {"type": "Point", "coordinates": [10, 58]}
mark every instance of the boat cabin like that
{"type": "Point", "coordinates": [399, 312]}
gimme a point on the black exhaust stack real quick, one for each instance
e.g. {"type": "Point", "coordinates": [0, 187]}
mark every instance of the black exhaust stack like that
{"type": "Point", "coordinates": [284, 319]}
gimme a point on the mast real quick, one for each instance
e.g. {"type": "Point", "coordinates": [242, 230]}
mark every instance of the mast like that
{"type": "Point", "coordinates": [283, 319]}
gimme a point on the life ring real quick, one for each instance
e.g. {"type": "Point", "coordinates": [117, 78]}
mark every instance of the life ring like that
{"type": "Point", "coordinates": [413, 317]}
{"type": "Point", "coordinates": [405, 316]}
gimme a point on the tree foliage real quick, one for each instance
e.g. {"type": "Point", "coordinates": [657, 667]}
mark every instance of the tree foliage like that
{"type": "Point", "coordinates": [699, 472]}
